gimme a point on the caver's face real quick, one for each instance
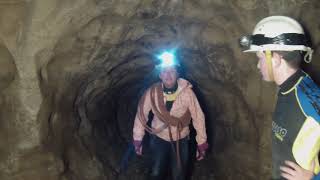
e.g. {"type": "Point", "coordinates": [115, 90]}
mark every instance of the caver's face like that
{"type": "Point", "coordinates": [169, 76]}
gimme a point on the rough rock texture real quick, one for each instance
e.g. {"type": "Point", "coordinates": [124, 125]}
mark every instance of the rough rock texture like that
{"type": "Point", "coordinates": [72, 72]}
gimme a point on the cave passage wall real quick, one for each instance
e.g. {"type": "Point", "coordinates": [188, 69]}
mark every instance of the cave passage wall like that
{"type": "Point", "coordinates": [72, 73]}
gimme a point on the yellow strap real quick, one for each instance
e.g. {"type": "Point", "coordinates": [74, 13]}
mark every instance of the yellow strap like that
{"type": "Point", "coordinates": [171, 97]}
{"type": "Point", "coordinates": [269, 63]}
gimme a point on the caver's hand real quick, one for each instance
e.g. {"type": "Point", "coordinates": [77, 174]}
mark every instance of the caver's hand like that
{"type": "Point", "coordinates": [201, 151]}
{"type": "Point", "coordinates": [293, 171]}
{"type": "Point", "coordinates": [138, 147]}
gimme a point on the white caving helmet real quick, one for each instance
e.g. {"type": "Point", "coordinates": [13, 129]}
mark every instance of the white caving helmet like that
{"type": "Point", "coordinates": [277, 33]}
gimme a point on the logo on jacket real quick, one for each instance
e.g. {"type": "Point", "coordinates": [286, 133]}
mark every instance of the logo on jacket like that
{"type": "Point", "coordinates": [279, 132]}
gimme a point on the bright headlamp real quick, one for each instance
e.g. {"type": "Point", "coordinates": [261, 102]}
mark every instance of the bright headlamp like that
{"type": "Point", "coordinates": [167, 59]}
{"type": "Point", "coordinates": [245, 42]}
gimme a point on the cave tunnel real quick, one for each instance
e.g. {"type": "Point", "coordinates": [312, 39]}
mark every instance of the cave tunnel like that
{"type": "Point", "coordinates": [72, 74]}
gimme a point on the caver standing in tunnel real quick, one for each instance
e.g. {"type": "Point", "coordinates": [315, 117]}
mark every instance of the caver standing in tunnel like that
{"type": "Point", "coordinates": [280, 45]}
{"type": "Point", "coordinates": [174, 104]}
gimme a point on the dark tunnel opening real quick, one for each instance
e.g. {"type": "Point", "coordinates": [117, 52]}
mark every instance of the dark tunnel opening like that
{"type": "Point", "coordinates": [109, 111]}
{"type": "Point", "coordinates": [107, 102]}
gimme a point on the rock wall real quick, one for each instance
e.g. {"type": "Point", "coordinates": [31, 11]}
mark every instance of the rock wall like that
{"type": "Point", "coordinates": [71, 73]}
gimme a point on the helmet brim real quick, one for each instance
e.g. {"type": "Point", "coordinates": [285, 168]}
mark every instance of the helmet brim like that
{"type": "Point", "coordinates": [277, 47]}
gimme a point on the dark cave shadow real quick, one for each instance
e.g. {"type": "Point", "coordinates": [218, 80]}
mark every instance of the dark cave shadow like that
{"type": "Point", "coordinates": [209, 122]}
{"type": "Point", "coordinates": [308, 67]}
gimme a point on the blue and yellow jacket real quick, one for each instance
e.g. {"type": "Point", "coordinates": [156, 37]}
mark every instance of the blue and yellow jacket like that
{"type": "Point", "coordinates": [296, 124]}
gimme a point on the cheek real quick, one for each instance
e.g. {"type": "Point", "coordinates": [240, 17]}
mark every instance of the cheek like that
{"type": "Point", "coordinates": [165, 76]}
{"type": "Point", "coordinates": [174, 75]}
{"type": "Point", "coordinates": [262, 63]}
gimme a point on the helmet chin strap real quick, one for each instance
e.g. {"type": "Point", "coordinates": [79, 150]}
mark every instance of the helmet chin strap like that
{"type": "Point", "coordinates": [308, 56]}
{"type": "Point", "coordinates": [269, 64]}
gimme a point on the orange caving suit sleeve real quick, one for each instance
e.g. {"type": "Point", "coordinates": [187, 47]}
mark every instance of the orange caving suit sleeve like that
{"type": "Point", "coordinates": [138, 129]}
{"type": "Point", "coordinates": [198, 119]}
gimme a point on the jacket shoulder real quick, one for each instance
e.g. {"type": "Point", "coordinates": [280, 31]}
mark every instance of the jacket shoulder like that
{"type": "Point", "coordinates": [308, 94]}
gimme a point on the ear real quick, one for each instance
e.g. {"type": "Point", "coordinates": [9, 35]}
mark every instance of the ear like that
{"type": "Point", "coordinates": [276, 59]}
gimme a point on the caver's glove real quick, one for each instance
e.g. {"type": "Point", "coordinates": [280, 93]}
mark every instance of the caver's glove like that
{"type": "Point", "coordinates": [201, 150]}
{"type": "Point", "coordinates": [138, 147]}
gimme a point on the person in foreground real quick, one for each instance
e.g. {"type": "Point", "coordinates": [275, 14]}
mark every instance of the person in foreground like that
{"type": "Point", "coordinates": [281, 45]}
{"type": "Point", "coordinates": [174, 104]}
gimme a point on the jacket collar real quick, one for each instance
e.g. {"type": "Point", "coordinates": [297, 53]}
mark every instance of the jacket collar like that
{"type": "Point", "coordinates": [170, 90]}
{"type": "Point", "coordinates": [288, 84]}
